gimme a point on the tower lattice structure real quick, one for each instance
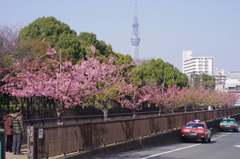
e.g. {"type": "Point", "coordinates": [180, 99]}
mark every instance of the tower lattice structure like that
{"type": "Point", "coordinates": [135, 40]}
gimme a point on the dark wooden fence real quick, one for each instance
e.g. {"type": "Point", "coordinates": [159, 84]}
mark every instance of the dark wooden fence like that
{"type": "Point", "coordinates": [87, 118]}
{"type": "Point", "coordinates": [82, 119]}
{"type": "Point", "coordinates": [47, 141]}
{"type": "Point", "coordinates": [35, 114]}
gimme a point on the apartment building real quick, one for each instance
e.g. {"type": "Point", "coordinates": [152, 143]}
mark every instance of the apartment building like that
{"type": "Point", "coordinates": [196, 65]}
{"type": "Point", "coordinates": [220, 79]}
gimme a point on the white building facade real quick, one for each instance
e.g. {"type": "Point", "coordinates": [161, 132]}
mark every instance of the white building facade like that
{"type": "Point", "coordinates": [233, 81]}
{"type": "Point", "coordinates": [196, 65]}
{"type": "Point", "coordinates": [220, 79]}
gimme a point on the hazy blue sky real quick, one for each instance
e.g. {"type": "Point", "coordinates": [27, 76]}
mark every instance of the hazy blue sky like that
{"type": "Point", "coordinates": [167, 27]}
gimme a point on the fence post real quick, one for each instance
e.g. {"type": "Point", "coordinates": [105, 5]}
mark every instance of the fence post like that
{"type": "Point", "coordinates": [31, 144]}
{"type": "Point", "coordinates": [2, 144]}
{"type": "Point", "coordinates": [214, 114]}
{"type": "Point", "coordinates": [205, 118]}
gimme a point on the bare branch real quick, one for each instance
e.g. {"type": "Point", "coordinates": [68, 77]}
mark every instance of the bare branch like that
{"type": "Point", "coordinates": [8, 40]}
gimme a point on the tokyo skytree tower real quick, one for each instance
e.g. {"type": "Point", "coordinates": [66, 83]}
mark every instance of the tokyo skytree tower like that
{"type": "Point", "coordinates": [135, 40]}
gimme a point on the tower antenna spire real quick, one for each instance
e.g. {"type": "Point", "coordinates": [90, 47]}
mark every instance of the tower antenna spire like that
{"type": "Point", "coordinates": [135, 5]}
{"type": "Point", "coordinates": [135, 40]}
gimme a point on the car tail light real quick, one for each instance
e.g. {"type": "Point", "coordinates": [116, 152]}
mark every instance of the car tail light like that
{"type": "Point", "coordinates": [222, 125]}
{"type": "Point", "coordinates": [232, 125]}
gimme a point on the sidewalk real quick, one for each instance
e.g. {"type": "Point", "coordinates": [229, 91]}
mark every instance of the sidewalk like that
{"type": "Point", "coordinates": [23, 150]}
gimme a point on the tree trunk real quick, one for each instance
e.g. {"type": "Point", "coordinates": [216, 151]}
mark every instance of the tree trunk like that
{"type": "Point", "coordinates": [28, 106]}
{"type": "Point", "coordinates": [134, 113]}
{"type": "Point", "coordinates": [194, 109]}
{"type": "Point", "coordinates": [54, 104]}
{"type": "Point", "coordinates": [60, 113]}
{"type": "Point", "coordinates": [8, 103]}
{"type": "Point", "coordinates": [59, 117]}
{"type": "Point", "coordinates": [105, 114]}
{"type": "Point", "coordinates": [159, 111]}
{"type": "Point", "coordinates": [37, 107]}
{"type": "Point", "coordinates": [16, 102]}
{"type": "Point", "coordinates": [31, 104]}
{"type": "Point", "coordinates": [171, 110]}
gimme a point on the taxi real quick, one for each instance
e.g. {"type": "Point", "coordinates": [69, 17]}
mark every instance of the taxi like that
{"type": "Point", "coordinates": [228, 124]}
{"type": "Point", "coordinates": [196, 130]}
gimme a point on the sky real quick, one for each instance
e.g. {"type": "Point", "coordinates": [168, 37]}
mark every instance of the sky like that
{"type": "Point", "coordinates": [167, 27]}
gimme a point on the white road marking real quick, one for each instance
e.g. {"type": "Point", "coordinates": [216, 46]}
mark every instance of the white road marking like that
{"type": "Point", "coordinates": [170, 151]}
{"type": "Point", "coordinates": [162, 153]}
{"type": "Point", "coordinates": [221, 136]}
{"type": "Point", "coordinates": [237, 146]}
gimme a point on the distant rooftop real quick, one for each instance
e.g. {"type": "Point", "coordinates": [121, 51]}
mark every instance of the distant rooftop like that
{"type": "Point", "coordinates": [234, 72]}
{"type": "Point", "coordinates": [204, 56]}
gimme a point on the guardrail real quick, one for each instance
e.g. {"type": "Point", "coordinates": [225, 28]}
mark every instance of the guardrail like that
{"type": "Point", "coordinates": [44, 142]}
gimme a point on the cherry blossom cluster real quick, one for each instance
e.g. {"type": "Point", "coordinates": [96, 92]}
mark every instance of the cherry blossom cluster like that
{"type": "Point", "coordinates": [101, 82]}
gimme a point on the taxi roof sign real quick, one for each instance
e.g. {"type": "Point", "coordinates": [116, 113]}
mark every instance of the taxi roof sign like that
{"type": "Point", "coordinates": [196, 120]}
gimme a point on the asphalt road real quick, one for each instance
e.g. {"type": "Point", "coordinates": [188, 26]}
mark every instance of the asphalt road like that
{"type": "Point", "coordinates": [224, 145]}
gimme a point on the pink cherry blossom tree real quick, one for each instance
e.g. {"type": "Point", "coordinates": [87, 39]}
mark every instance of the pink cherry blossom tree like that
{"type": "Point", "coordinates": [106, 88]}
{"type": "Point", "coordinates": [156, 93]}
{"type": "Point", "coordinates": [73, 85]}
{"type": "Point", "coordinates": [92, 80]}
{"type": "Point", "coordinates": [132, 96]}
{"type": "Point", "coordinates": [184, 98]}
{"type": "Point", "coordinates": [102, 83]}
{"type": "Point", "coordinates": [170, 98]}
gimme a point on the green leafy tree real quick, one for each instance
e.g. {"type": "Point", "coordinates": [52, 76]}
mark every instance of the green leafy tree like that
{"type": "Point", "coordinates": [57, 34]}
{"type": "Point", "coordinates": [70, 45]}
{"type": "Point", "coordinates": [205, 81]}
{"type": "Point", "coordinates": [31, 49]}
{"type": "Point", "coordinates": [88, 38]}
{"type": "Point", "coordinates": [7, 61]}
{"type": "Point", "coordinates": [102, 49]}
{"type": "Point", "coordinates": [158, 71]}
{"type": "Point", "coordinates": [208, 81]}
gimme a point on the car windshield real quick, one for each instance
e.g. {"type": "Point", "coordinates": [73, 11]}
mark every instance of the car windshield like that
{"type": "Point", "coordinates": [228, 121]}
{"type": "Point", "coordinates": [195, 125]}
